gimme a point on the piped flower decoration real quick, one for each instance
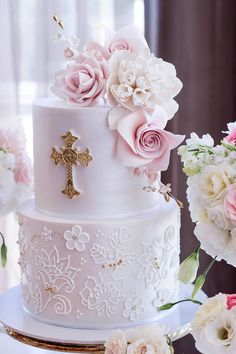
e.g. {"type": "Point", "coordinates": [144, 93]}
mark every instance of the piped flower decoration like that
{"type": "Point", "coordinates": [142, 140]}
{"type": "Point", "coordinates": [76, 238]}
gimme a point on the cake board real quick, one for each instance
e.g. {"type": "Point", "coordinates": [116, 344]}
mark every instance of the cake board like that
{"type": "Point", "coordinates": [18, 325]}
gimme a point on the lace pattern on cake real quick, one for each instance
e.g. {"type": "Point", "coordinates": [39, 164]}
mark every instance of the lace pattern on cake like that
{"type": "Point", "coordinates": [154, 259]}
{"type": "Point", "coordinates": [103, 294]}
{"type": "Point", "coordinates": [118, 255]}
{"type": "Point", "coordinates": [56, 276]}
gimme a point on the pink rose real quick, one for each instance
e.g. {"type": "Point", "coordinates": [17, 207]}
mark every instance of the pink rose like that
{"type": "Point", "coordinates": [96, 50]}
{"type": "Point", "coordinates": [229, 204]}
{"type": "Point", "coordinates": [116, 343]}
{"type": "Point", "coordinates": [231, 301]}
{"type": "Point", "coordinates": [142, 139]}
{"type": "Point", "coordinates": [231, 138]}
{"type": "Point", "coordinates": [128, 38]}
{"type": "Point", "coordinates": [82, 82]}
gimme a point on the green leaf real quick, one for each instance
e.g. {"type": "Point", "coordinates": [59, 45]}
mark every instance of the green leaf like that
{"type": "Point", "coordinates": [198, 284]}
{"type": "Point", "coordinates": [4, 254]}
{"type": "Point", "coordinates": [166, 306]}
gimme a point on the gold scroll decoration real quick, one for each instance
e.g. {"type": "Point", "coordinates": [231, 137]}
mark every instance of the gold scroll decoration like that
{"type": "Point", "coordinates": [69, 156]}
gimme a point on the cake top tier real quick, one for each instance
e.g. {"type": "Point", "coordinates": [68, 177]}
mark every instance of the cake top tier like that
{"type": "Point", "coordinates": [140, 87]}
{"type": "Point", "coordinates": [122, 71]}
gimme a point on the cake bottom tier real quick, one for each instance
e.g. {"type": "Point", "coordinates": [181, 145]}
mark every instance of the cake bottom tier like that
{"type": "Point", "coordinates": [99, 273]}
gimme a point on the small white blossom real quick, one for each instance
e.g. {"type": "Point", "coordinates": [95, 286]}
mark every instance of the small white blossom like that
{"type": "Point", "coordinates": [76, 238]}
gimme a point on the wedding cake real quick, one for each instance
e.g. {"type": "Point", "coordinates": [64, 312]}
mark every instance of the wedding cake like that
{"type": "Point", "coordinates": [99, 245]}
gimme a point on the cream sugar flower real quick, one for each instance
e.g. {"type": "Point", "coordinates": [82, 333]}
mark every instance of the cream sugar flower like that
{"type": "Point", "coordinates": [142, 81]}
{"type": "Point", "coordinates": [214, 325]}
{"type": "Point", "coordinates": [139, 340]}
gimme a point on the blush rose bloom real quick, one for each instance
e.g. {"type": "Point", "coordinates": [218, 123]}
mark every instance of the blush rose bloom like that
{"type": "Point", "coordinates": [116, 343]}
{"type": "Point", "coordinates": [147, 339]}
{"type": "Point", "coordinates": [142, 139]}
{"type": "Point", "coordinates": [230, 203]}
{"type": "Point", "coordinates": [128, 38]}
{"type": "Point", "coordinates": [82, 82]}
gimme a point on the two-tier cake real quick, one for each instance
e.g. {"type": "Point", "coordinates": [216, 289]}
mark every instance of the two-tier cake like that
{"type": "Point", "coordinates": [99, 246]}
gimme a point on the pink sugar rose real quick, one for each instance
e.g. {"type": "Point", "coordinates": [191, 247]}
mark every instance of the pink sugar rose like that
{"type": "Point", "coordinates": [231, 301]}
{"type": "Point", "coordinates": [142, 140]}
{"type": "Point", "coordinates": [229, 204]}
{"type": "Point", "coordinates": [128, 38]}
{"type": "Point", "coordinates": [81, 83]}
{"type": "Point", "coordinates": [231, 138]}
{"type": "Point", "coordinates": [97, 50]}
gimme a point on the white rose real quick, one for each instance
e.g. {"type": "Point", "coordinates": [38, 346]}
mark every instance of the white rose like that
{"type": "Point", "coordinates": [214, 240]}
{"type": "Point", "coordinates": [213, 183]}
{"type": "Point", "coordinates": [207, 312]}
{"type": "Point", "coordinates": [116, 343]}
{"type": "Point", "coordinates": [219, 335]}
{"type": "Point", "coordinates": [217, 215]}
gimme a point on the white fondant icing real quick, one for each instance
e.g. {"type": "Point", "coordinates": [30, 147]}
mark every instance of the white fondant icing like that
{"type": "Point", "coordinates": [107, 187]}
{"type": "Point", "coordinates": [57, 281]}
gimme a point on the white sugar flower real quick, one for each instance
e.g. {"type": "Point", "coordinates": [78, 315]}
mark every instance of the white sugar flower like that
{"type": "Point", "coordinates": [76, 238]}
{"type": "Point", "coordinates": [141, 80]}
{"type": "Point", "coordinates": [134, 308]}
{"type": "Point", "coordinates": [116, 343]}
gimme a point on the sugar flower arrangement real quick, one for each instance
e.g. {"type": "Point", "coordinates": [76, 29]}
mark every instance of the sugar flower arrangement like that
{"type": "Point", "coordinates": [211, 192]}
{"type": "Point", "coordinates": [148, 339]}
{"type": "Point", "coordinates": [15, 172]}
{"type": "Point", "coordinates": [140, 88]}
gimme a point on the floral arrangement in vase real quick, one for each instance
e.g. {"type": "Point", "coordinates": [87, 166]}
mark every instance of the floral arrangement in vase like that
{"type": "Point", "coordinates": [16, 174]}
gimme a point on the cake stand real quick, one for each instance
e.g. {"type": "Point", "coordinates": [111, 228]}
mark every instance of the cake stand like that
{"type": "Point", "coordinates": [18, 325]}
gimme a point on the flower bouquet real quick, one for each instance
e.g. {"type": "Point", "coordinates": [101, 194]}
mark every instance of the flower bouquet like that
{"type": "Point", "coordinates": [211, 192]}
{"type": "Point", "coordinates": [15, 171]}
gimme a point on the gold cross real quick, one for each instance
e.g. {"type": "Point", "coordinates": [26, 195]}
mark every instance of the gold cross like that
{"type": "Point", "coordinates": [69, 156]}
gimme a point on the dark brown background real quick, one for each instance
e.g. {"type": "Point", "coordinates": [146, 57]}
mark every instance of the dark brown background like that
{"type": "Point", "coordinates": [199, 38]}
